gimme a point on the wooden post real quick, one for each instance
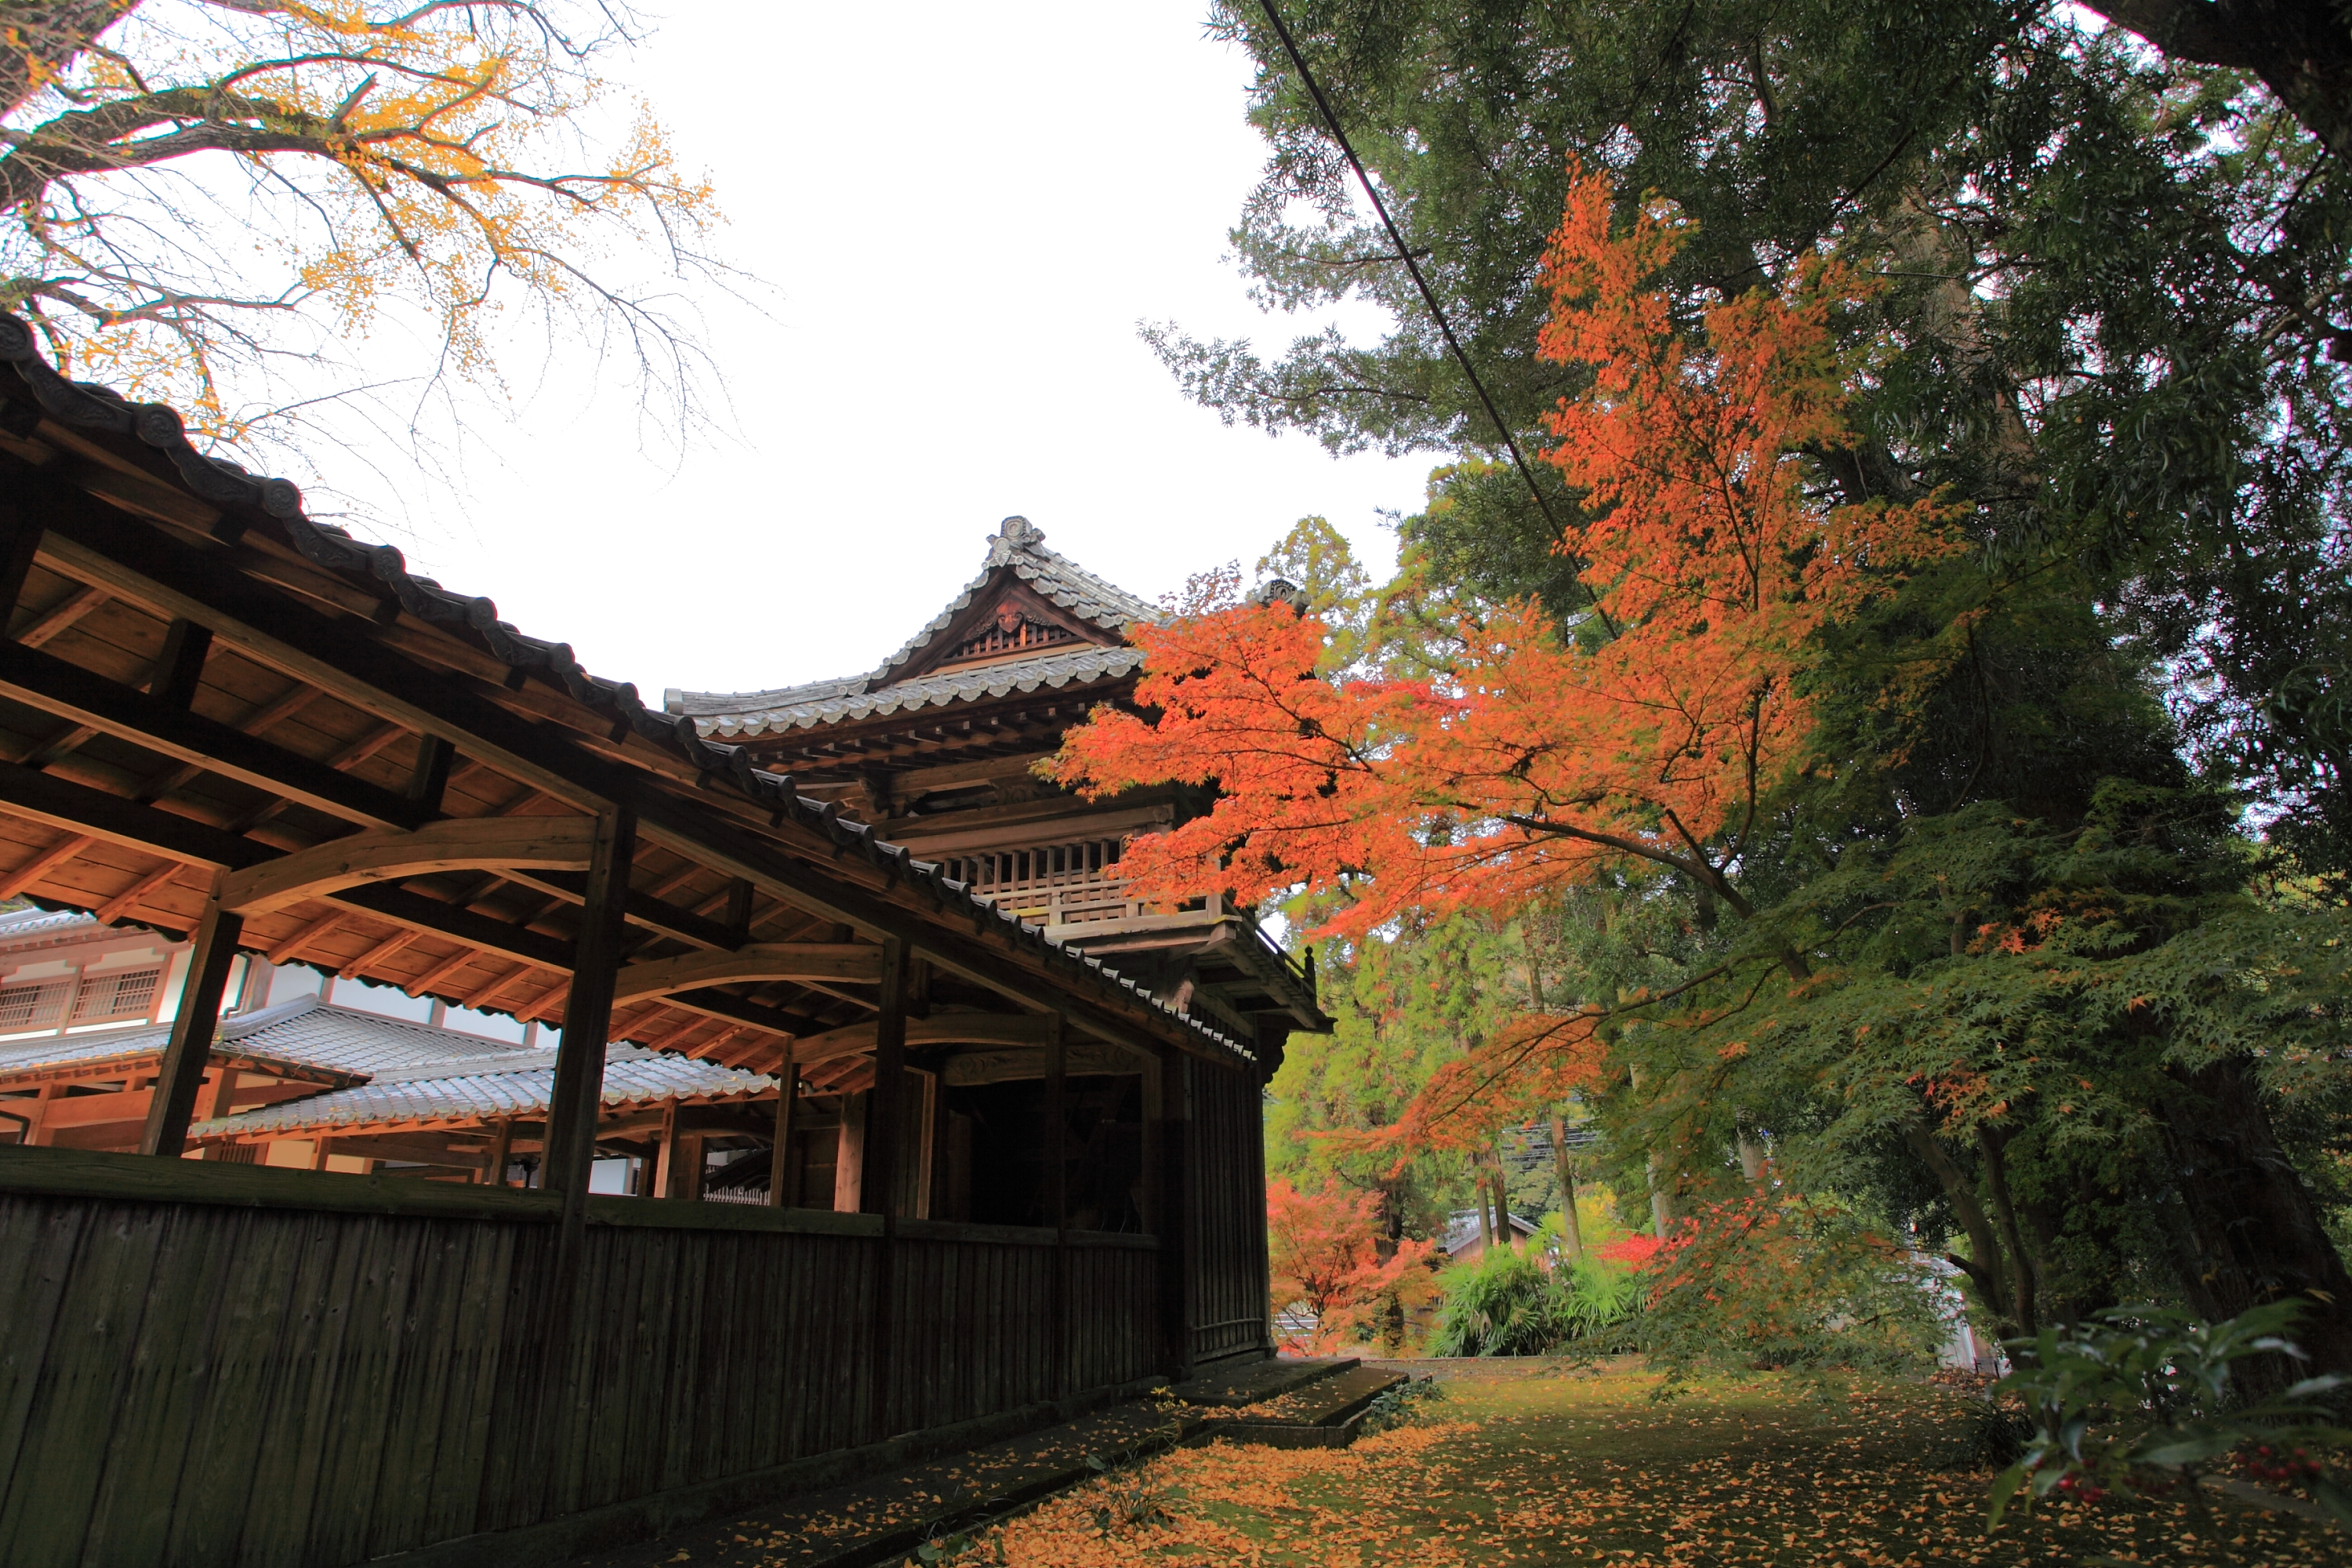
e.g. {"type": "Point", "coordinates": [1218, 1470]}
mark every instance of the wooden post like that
{"type": "Point", "coordinates": [494, 1169]}
{"type": "Point", "coordinates": [191, 1049]}
{"type": "Point", "coordinates": [587, 1021]}
{"type": "Point", "coordinates": [1175, 1216]}
{"type": "Point", "coordinates": [879, 1183]}
{"type": "Point", "coordinates": [886, 1105]}
{"type": "Point", "coordinates": [780, 1182]}
{"type": "Point", "coordinates": [1058, 1190]}
{"type": "Point", "coordinates": [665, 1183]}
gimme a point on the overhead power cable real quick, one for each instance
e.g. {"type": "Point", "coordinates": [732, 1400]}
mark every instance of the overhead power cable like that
{"type": "Point", "coordinates": [1428, 295]}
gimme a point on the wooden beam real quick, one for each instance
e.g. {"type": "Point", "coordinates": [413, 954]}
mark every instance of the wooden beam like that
{"type": "Point", "coordinates": [644, 909]}
{"type": "Point", "coordinates": [453, 844]}
{"type": "Point", "coordinates": [53, 621]}
{"type": "Point", "coordinates": [180, 668]}
{"type": "Point", "coordinates": [433, 918]}
{"type": "Point", "coordinates": [940, 1029]}
{"type": "Point", "coordinates": [759, 960]}
{"type": "Point", "coordinates": [91, 541]}
{"type": "Point", "coordinates": [128, 898]}
{"type": "Point", "coordinates": [494, 1166]}
{"type": "Point", "coordinates": [78, 808]}
{"type": "Point", "coordinates": [376, 954]}
{"type": "Point", "coordinates": [182, 1071]}
{"type": "Point", "coordinates": [580, 1061]}
{"type": "Point", "coordinates": [40, 866]}
{"type": "Point", "coordinates": [428, 781]}
{"type": "Point", "coordinates": [162, 724]}
{"type": "Point", "coordinates": [325, 925]}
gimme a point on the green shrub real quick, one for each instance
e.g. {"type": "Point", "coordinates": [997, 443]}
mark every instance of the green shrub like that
{"type": "Point", "coordinates": [1508, 1303]}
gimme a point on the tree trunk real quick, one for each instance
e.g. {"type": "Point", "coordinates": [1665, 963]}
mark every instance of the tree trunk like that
{"type": "Point", "coordinates": [2247, 1230]}
{"type": "Point", "coordinates": [1571, 1234]}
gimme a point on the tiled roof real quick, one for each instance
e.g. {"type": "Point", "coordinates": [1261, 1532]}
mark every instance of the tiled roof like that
{"type": "Point", "coordinates": [301, 1033]}
{"type": "Point", "coordinates": [86, 406]}
{"type": "Point", "coordinates": [17, 924]}
{"type": "Point", "coordinates": [515, 1083]}
{"type": "Point", "coordinates": [1019, 546]}
{"type": "Point", "coordinates": [1462, 1229]}
{"type": "Point", "coordinates": [1081, 668]}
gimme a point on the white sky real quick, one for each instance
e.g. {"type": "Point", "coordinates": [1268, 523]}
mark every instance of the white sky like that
{"type": "Point", "coordinates": [964, 211]}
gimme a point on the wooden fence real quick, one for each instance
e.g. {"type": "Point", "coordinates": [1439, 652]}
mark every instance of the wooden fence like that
{"type": "Point", "coordinates": [212, 1364]}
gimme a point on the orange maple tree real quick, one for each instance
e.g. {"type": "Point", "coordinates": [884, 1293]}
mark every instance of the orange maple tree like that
{"type": "Point", "coordinates": [1525, 753]}
{"type": "Point", "coordinates": [1325, 1253]}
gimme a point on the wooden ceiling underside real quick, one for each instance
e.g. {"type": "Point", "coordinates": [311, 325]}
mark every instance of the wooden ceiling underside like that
{"type": "Point", "coordinates": [186, 692]}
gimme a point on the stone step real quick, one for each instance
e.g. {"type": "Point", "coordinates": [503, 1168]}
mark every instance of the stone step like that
{"type": "Point", "coordinates": [1260, 1380]}
{"type": "Point", "coordinates": [1325, 1414]}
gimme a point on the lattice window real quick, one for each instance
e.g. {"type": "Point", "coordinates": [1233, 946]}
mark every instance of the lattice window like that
{"type": "Point", "coordinates": [39, 1006]}
{"type": "Point", "coordinates": [1013, 631]}
{"type": "Point", "coordinates": [129, 995]}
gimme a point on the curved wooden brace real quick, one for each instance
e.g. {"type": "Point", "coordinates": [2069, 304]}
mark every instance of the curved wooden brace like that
{"type": "Point", "coordinates": [479, 843]}
{"type": "Point", "coordinates": [757, 961]}
{"type": "Point", "coordinates": [946, 1029]}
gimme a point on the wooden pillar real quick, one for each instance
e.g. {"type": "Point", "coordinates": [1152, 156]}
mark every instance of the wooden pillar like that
{"type": "Point", "coordinates": [1175, 1216]}
{"type": "Point", "coordinates": [191, 1049]}
{"type": "Point", "coordinates": [588, 1021]}
{"type": "Point", "coordinates": [494, 1166]}
{"type": "Point", "coordinates": [781, 1174]}
{"type": "Point", "coordinates": [885, 1106]}
{"type": "Point", "coordinates": [878, 1184]}
{"type": "Point", "coordinates": [665, 1182]}
{"type": "Point", "coordinates": [1057, 1189]}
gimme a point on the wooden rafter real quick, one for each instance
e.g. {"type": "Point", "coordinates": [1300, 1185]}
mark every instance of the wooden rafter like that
{"type": "Point", "coordinates": [759, 960]}
{"type": "Point", "coordinates": [559, 843]}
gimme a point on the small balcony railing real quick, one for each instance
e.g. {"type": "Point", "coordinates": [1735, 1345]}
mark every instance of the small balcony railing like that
{"type": "Point", "coordinates": [1073, 883]}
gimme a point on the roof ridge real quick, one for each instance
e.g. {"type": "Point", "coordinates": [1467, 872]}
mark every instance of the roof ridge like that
{"type": "Point", "coordinates": [1017, 544]}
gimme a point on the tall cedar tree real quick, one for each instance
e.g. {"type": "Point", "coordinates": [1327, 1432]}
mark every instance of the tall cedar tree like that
{"type": "Point", "coordinates": [2105, 1011]}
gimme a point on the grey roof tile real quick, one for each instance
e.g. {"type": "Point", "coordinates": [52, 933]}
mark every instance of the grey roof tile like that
{"type": "Point", "coordinates": [496, 1086]}
{"type": "Point", "coordinates": [1019, 546]}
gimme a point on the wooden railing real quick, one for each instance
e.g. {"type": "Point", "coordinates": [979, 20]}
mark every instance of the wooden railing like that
{"type": "Point", "coordinates": [1072, 882]}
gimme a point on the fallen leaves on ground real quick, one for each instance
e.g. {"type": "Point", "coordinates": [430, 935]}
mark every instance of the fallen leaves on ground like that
{"type": "Point", "coordinates": [1535, 1471]}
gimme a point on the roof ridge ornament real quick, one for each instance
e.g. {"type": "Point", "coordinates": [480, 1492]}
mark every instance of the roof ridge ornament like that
{"type": "Point", "coordinates": [1019, 530]}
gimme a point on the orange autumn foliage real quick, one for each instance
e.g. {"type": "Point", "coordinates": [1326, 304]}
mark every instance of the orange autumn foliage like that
{"type": "Point", "coordinates": [1526, 755]}
{"type": "Point", "coordinates": [1654, 730]}
{"type": "Point", "coordinates": [1325, 1252]}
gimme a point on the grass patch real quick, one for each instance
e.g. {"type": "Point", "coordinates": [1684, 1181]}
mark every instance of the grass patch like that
{"type": "Point", "coordinates": [1590, 1470]}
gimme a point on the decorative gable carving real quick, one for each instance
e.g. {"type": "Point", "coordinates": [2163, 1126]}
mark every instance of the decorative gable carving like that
{"type": "Point", "coordinates": [1007, 619]}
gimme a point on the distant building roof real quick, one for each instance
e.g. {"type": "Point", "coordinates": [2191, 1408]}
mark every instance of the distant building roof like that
{"type": "Point", "coordinates": [1020, 547]}
{"type": "Point", "coordinates": [513, 1083]}
{"type": "Point", "coordinates": [17, 924]}
{"type": "Point", "coordinates": [1461, 1229]}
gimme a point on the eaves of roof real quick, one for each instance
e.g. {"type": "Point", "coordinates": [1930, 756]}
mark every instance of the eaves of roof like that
{"type": "Point", "coordinates": [633, 1078]}
{"type": "Point", "coordinates": [1083, 667]}
{"type": "Point", "coordinates": [88, 406]}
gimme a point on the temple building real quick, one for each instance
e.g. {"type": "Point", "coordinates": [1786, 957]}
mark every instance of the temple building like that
{"type": "Point", "coordinates": [937, 748]}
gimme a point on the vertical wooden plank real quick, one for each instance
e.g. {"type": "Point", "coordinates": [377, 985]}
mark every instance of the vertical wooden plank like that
{"type": "Point", "coordinates": [885, 1116]}
{"type": "Point", "coordinates": [182, 1071]}
{"type": "Point", "coordinates": [73, 1413]}
{"type": "Point", "coordinates": [143, 1450]}
{"type": "Point", "coordinates": [44, 1235]}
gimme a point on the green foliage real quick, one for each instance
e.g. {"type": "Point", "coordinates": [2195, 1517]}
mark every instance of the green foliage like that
{"type": "Point", "coordinates": [2143, 1399]}
{"type": "Point", "coordinates": [1766, 1284]}
{"type": "Point", "coordinates": [1509, 1303]}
